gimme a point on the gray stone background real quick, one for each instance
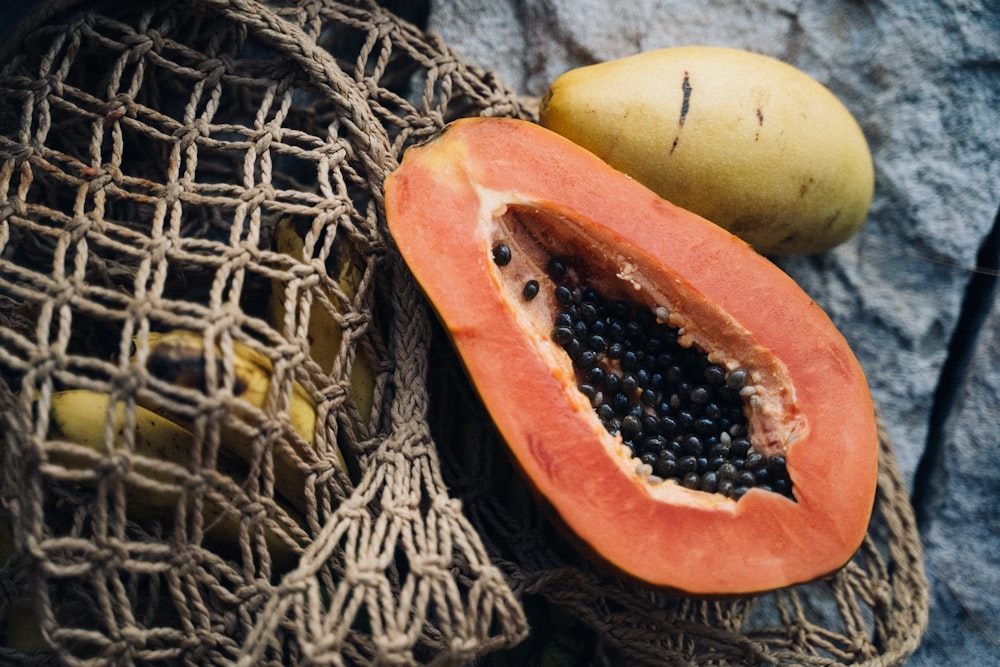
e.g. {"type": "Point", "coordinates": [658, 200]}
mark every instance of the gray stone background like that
{"type": "Point", "coordinates": [915, 290]}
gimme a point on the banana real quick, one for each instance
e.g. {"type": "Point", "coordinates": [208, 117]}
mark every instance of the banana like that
{"type": "Point", "coordinates": [81, 422]}
{"type": "Point", "coordinates": [88, 420]}
{"type": "Point", "coordinates": [179, 357]}
{"type": "Point", "coordinates": [324, 333]}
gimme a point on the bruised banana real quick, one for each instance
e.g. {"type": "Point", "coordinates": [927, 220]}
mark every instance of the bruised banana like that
{"type": "Point", "coordinates": [179, 357]}
{"type": "Point", "coordinates": [325, 334]}
{"type": "Point", "coordinates": [86, 418]}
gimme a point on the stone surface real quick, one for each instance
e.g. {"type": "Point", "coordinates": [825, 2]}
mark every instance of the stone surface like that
{"type": "Point", "coordinates": [959, 513]}
{"type": "Point", "coordinates": [963, 523]}
{"type": "Point", "coordinates": [923, 79]}
{"type": "Point", "coordinates": [895, 288]}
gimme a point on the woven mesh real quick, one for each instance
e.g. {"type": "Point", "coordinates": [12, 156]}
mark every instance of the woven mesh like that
{"type": "Point", "coordinates": [872, 612]}
{"type": "Point", "coordinates": [147, 155]}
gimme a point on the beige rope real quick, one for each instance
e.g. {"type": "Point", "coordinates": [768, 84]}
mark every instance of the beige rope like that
{"type": "Point", "coordinates": [873, 612]}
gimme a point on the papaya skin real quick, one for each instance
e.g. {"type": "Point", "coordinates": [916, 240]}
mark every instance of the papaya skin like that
{"type": "Point", "coordinates": [747, 141]}
{"type": "Point", "coordinates": [484, 179]}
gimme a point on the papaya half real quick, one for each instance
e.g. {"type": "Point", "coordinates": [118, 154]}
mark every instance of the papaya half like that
{"type": "Point", "coordinates": [690, 415]}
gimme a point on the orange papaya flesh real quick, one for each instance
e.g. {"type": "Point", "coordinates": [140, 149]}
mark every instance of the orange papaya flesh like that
{"type": "Point", "coordinates": [487, 183]}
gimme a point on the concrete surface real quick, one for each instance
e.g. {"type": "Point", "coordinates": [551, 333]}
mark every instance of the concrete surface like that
{"type": "Point", "coordinates": [915, 290]}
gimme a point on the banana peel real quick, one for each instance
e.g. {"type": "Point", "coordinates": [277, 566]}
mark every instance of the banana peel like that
{"type": "Point", "coordinates": [324, 332]}
{"type": "Point", "coordinates": [179, 357]}
{"type": "Point", "coordinates": [160, 453]}
{"type": "Point", "coordinates": [84, 431]}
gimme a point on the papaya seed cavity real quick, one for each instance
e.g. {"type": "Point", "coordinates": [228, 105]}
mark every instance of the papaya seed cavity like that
{"type": "Point", "coordinates": [679, 415]}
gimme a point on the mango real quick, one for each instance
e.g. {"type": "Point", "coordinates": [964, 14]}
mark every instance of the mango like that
{"type": "Point", "coordinates": [751, 143]}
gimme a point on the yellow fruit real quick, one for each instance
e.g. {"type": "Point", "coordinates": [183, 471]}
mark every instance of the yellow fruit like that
{"type": "Point", "coordinates": [751, 143]}
{"type": "Point", "coordinates": [178, 356]}
{"type": "Point", "coordinates": [160, 452]}
{"type": "Point", "coordinates": [325, 332]}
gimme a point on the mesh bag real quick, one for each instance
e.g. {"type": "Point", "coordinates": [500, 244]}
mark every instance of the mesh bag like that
{"type": "Point", "coordinates": [149, 153]}
{"type": "Point", "coordinates": [216, 167]}
{"type": "Point", "coordinates": [872, 612]}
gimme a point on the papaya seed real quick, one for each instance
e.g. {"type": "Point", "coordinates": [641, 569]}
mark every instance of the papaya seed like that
{"type": "Point", "coordinates": [659, 396]}
{"type": "Point", "coordinates": [502, 254]}
{"type": "Point", "coordinates": [556, 269]}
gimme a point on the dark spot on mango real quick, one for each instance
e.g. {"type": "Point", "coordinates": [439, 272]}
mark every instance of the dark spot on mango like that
{"type": "Point", "coordinates": [829, 222]}
{"type": "Point", "coordinates": [686, 101]}
{"type": "Point", "coordinates": [806, 185]}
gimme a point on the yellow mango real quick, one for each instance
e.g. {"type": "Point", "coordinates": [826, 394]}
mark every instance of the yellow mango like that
{"type": "Point", "coordinates": [747, 141]}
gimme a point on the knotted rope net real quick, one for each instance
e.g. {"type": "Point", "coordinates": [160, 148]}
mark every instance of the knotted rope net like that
{"type": "Point", "coordinates": [232, 432]}
{"type": "Point", "coordinates": [872, 612]}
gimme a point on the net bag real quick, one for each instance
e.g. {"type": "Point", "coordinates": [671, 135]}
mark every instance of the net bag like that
{"type": "Point", "coordinates": [232, 432]}
{"type": "Point", "coordinates": [873, 612]}
{"type": "Point", "coordinates": [215, 441]}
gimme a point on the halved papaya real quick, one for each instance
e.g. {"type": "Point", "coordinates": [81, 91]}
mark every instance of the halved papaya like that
{"type": "Point", "coordinates": [608, 331]}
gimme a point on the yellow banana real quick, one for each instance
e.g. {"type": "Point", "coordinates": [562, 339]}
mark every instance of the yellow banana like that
{"type": "Point", "coordinates": [86, 419]}
{"type": "Point", "coordinates": [80, 424]}
{"type": "Point", "coordinates": [324, 332]}
{"type": "Point", "coordinates": [179, 357]}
